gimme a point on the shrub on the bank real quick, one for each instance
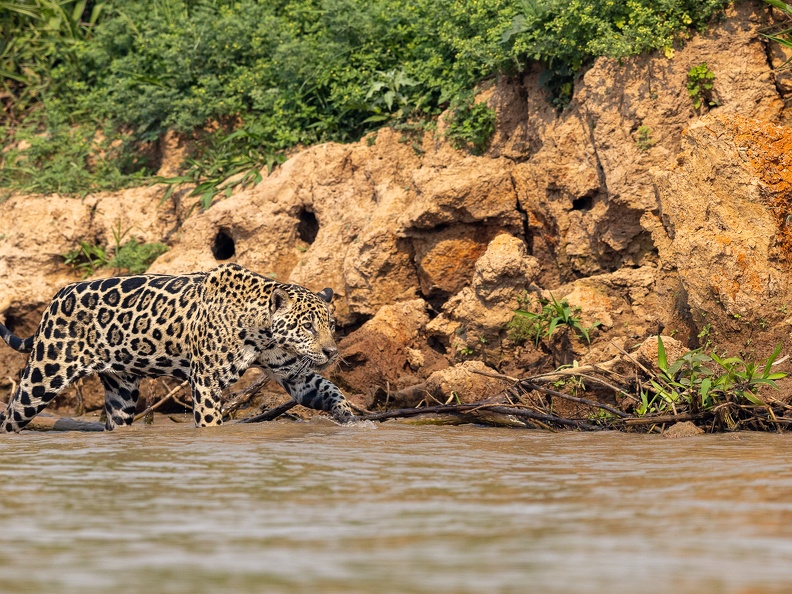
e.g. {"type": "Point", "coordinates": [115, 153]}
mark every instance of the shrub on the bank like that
{"type": "Point", "coordinates": [265, 76]}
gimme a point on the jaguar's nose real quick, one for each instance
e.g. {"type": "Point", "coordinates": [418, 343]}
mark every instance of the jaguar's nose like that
{"type": "Point", "coordinates": [330, 352]}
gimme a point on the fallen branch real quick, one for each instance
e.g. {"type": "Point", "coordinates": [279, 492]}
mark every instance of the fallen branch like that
{"type": "Point", "coordinates": [269, 415]}
{"type": "Point", "coordinates": [474, 406]}
{"type": "Point", "coordinates": [50, 423]}
{"type": "Point", "coordinates": [238, 399]}
{"type": "Point", "coordinates": [586, 401]}
{"type": "Point", "coordinates": [161, 401]}
{"type": "Point", "coordinates": [659, 420]}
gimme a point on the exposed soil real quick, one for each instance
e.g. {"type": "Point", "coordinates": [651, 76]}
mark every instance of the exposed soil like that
{"type": "Point", "coordinates": [685, 232]}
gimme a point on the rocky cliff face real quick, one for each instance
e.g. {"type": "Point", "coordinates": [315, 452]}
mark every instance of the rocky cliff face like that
{"type": "Point", "coordinates": [628, 203]}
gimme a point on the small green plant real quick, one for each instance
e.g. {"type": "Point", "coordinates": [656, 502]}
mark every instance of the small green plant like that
{"type": "Point", "coordinates": [136, 257]}
{"type": "Point", "coordinates": [544, 324]}
{"type": "Point", "coordinates": [704, 380]}
{"type": "Point", "coordinates": [644, 139]}
{"type": "Point", "coordinates": [86, 258]}
{"type": "Point", "coordinates": [471, 127]}
{"type": "Point", "coordinates": [704, 335]}
{"type": "Point", "coordinates": [700, 85]}
{"type": "Point", "coordinates": [133, 257]}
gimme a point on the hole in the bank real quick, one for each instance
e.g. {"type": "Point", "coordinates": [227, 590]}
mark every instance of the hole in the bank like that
{"type": "Point", "coordinates": [223, 247]}
{"type": "Point", "coordinates": [437, 346]}
{"type": "Point", "coordinates": [16, 324]}
{"type": "Point", "coordinates": [308, 226]}
{"type": "Point", "coordinates": [360, 319]}
{"type": "Point", "coordinates": [583, 203]}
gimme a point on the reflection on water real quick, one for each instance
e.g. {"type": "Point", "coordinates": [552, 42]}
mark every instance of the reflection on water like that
{"type": "Point", "coordinates": [313, 507]}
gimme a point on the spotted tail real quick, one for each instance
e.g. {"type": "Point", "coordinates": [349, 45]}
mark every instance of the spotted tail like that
{"type": "Point", "coordinates": [16, 343]}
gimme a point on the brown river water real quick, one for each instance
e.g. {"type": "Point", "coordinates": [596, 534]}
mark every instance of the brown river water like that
{"type": "Point", "coordinates": [314, 507]}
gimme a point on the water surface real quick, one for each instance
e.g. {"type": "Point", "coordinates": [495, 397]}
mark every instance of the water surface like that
{"type": "Point", "coordinates": [314, 507]}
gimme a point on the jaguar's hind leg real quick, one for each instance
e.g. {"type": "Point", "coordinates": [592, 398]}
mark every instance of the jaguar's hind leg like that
{"type": "Point", "coordinates": [39, 385]}
{"type": "Point", "coordinates": [121, 396]}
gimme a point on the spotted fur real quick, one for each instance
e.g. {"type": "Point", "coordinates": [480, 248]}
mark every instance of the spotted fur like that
{"type": "Point", "coordinates": [207, 328]}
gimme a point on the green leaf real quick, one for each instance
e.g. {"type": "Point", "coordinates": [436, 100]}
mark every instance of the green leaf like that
{"type": "Point", "coordinates": [753, 399]}
{"type": "Point", "coordinates": [662, 362]}
{"type": "Point", "coordinates": [704, 389]}
{"type": "Point", "coordinates": [771, 359]}
{"type": "Point", "coordinates": [551, 328]}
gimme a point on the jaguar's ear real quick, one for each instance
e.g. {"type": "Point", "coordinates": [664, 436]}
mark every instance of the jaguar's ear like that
{"type": "Point", "coordinates": [326, 294]}
{"type": "Point", "coordinates": [280, 302]}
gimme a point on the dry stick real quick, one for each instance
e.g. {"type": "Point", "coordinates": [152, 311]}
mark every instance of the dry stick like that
{"type": "Point", "coordinates": [176, 400]}
{"type": "Point", "coordinates": [527, 383]}
{"type": "Point", "coordinates": [590, 378]}
{"type": "Point", "coordinates": [162, 401]}
{"type": "Point", "coordinates": [495, 375]}
{"type": "Point", "coordinates": [237, 399]}
{"type": "Point", "coordinates": [519, 412]}
{"type": "Point", "coordinates": [270, 414]}
{"type": "Point", "coordinates": [575, 371]}
{"type": "Point", "coordinates": [460, 408]}
{"type": "Point", "coordinates": [610, 409]}
{"type": "Point", "coordinates": [662, 419]}
{"type": "Point", "coordinates": [602, 367]}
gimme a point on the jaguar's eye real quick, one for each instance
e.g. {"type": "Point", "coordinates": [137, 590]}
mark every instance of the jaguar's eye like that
{"type": "Point", "coordinates": [310, 327]}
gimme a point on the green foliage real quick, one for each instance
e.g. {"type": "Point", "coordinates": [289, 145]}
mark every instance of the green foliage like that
{"type": "Point", "coordinates": [35, 37]}
{"type": "Point", "coordinates": [700, 85]}
{"type": "Point", "coordinates": [704, 380]}
{"type": "Point", "coordinates": [136, 257]}
{"type": "Point", "coordinates": [554, 314]}
{"type": "Point", "coordinates": [86, 258]}
{"type": "Point", "coordinates": [565, 35]}
{"type": "Point", "coordinates": [644, 140]}
{"type": "Point", "coordinates": [471, 127]}
{"type": "Point", "coordinates": [48, 155]}
{"type": "Point", "coordinates": [133, 257]}
{"type": "Point", "coordinates": [250, 79]}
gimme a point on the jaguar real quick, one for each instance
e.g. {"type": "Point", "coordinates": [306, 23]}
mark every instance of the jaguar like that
{"type": "Point", "coordinates": [206, 328]}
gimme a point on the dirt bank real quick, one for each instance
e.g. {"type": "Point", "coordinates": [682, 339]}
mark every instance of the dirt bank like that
{"type": "Point", "coordinates": [648, 214]}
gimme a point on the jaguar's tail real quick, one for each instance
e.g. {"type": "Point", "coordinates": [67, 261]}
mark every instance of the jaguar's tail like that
{"type": "Point", "coordinates": [16, 343]}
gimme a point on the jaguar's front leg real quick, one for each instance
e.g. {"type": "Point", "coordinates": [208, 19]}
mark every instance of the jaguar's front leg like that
{"type": "Point", "coordinates": [314, 391]}
{"type": "Point", "coordinates": [206, 401]}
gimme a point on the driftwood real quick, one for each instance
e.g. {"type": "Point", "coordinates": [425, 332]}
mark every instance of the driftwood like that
{"type": "Point", "coordinates": [270, 414]}
{"type": "Point", "coordinates": [50, 423]}
{"type": "Point", "coordinates": [161, 401]}
{"type": "Point", "coordinates": [237, 400]}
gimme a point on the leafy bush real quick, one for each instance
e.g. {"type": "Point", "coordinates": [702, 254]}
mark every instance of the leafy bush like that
{"type": "Point", "coordinates": [136, 257]}
{"type": "Point", "coordinates": [704, 380]}
{"type": "Point", "coordinates": [48, 155]}
{"type": "Point", "coordinates": [132, 257]}
{"type": "Point", "coordinates": [251, 79]}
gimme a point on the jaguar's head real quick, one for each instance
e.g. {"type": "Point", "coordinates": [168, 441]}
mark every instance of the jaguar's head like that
{"type": "Point", "coordinates": [302, 324]}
